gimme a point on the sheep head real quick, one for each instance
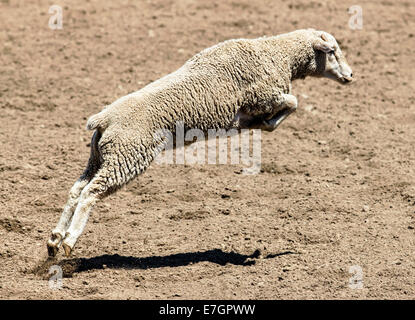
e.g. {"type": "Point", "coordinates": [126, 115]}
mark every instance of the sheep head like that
{"type": "Point", "coordinates": [329, 58]}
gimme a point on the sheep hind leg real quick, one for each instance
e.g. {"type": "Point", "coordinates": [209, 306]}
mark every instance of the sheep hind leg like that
{"type": "Point", "coordinates": [58, 233]}
{"type": "Point", "coordinates": [107, 180]}
{"type": "Point", "coordinates": [95, 190]}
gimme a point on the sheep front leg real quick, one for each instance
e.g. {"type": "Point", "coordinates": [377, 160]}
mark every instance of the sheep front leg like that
{"type": "Point", "coordinates": [283, 110]}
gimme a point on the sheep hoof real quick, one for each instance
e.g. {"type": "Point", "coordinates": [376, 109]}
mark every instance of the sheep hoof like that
{"type": "Point", "coordinates": [67, 248]}
{"type": "Point", "coordinates": [52, 249]}
{"type": "Point", "coordinates": [53, 244]}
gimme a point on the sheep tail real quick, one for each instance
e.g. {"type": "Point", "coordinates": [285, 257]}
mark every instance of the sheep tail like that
{"type": "Point", "coordinates": [98, 121]}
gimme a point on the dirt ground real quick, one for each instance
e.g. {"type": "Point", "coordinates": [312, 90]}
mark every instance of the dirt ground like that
{"type": "Point", "coordinates": [335, 193]}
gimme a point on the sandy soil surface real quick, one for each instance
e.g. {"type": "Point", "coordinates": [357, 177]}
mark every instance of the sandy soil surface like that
{"type": "Point", "coordinates": [336, 188]}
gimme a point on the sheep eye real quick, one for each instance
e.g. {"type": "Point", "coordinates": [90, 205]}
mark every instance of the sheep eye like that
{"type": "Point", "coordinates": [331, 52]}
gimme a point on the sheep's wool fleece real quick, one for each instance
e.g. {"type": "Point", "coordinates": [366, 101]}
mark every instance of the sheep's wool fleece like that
{"type": "Point", "coordinates": [205, 93]}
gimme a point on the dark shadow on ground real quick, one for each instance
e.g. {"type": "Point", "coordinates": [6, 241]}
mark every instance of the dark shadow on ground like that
{"type": "Point", "coordinates": [115, 261]}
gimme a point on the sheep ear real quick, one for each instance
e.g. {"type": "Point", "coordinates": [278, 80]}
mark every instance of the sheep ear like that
{"type": "Point", "coordinates": [324, 37]}
{"type": "Point", "coordinates": [322, 44]}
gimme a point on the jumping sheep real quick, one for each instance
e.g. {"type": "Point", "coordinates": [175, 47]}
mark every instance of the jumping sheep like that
{"type": "Point", "coordinates": [242, 83]}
